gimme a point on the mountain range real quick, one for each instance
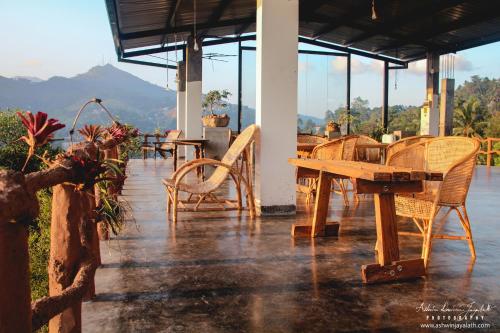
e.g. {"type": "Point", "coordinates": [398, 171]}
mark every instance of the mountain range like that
{"type": "Point", "coordinates": [131, 99]}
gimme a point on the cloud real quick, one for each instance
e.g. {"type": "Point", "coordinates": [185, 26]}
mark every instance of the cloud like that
{"type": "Point", "coordinates": [339, 64]}
{"type": "Point", "coordinates": [305, 66]}
{"type": "Point", "coordinates": [463, 64]}
{"type": "Point", "coordinates": [32, 62]}
{"type": "Point", "coordinates": [417, 67]}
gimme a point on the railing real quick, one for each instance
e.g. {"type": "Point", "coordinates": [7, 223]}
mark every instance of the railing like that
{"type": "Point", "coordinates": [489, 152]}
{"type": "Point", "coordinates": [74, 255]}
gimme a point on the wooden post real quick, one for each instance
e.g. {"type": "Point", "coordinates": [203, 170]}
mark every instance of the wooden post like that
{"type": "Point", "coordinates": [488, 151]}
{"type": "Point", "coordinates": [387, 234]}
{"type": "Point", "coordinates": [15, 296]}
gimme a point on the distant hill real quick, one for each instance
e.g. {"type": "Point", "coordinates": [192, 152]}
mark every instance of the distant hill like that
{"type": "Point", "coordinates": [130, 98]}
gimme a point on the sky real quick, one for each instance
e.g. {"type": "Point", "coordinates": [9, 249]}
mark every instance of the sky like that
{"type": "Point", "coordinates": [65, 38]}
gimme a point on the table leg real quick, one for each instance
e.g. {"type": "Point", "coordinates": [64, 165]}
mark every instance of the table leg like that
{"type": "Point", "coordinates": [175, 157]}
{"type": "Point", "coordinates": [197, 151]}
{"type": "Point", "coordinates": [389, 267]}
{"type": "Point", "coordinates": [319, 226]}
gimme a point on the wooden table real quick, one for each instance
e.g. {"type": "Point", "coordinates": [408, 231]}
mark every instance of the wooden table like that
{"type": "Point", "coordinates": [382, 181]}
{"type": "Point", "coordinates": [305, 149]}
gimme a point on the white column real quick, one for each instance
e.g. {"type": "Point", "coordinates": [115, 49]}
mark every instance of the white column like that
{"type": "Point", "coordinates": [276, 105]}
{"type": "Point", "coordinates": [429, 120]}
{"type": "Point", "coordinates": [446, 107]}
{"type": "Point", "coordinates": [193, 92]}
{"type": "Point", "coordinates": [181, 101]}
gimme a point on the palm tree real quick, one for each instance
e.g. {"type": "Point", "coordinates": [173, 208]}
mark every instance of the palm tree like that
{"type": "Point", "coordinates": [469, 118]}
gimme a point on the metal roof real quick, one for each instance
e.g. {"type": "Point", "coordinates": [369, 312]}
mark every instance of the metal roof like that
{"type": "Point", "coordinates": [403, 29]}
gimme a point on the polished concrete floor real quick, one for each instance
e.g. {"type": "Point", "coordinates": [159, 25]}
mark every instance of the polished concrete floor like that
{"type": "Point", "coordinates": [221, 272]}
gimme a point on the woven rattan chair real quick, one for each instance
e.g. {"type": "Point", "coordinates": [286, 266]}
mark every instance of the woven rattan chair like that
{"type": "Point", "coordinates": [309, 138]}
{"type": "Point", "coordinates": [370, 155]}
{"type": "Point", "coordinates": [403, 143]}
{"type": "Point", "coordinates": [338, 149]}
{"type": "Point", "coordinates": [166, 147]}
{"type": "Point", "coordinates": [456, 158]}
{"type": "Point", "coordinates": [205, 191]}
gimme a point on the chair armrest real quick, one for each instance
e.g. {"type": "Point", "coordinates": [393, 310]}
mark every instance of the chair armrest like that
{"type": "Point", "coordinates": [181, 173]}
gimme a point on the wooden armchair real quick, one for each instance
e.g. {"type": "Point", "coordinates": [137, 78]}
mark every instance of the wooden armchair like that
{"type": "Point", "coordinates": [403, 143]}
{"type": "Point", "coordinates": [167, 147]}
{"type": "Point", "coordinates": [456, 158]}
{"type": "Point", "coordinates": [205, 191]}
{"type": "Point", "coordinates": [147, 146]}
{"type": "Point", "coordinates": [309, 138]}
{"type": "Point", "coordinates": [338, 149]}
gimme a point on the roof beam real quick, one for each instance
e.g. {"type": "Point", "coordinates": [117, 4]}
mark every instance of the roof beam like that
{"type": "Point", "coordinates": [351, 51]}
{"type": "Point", "coordinates": [414, 15]}
{"type": "Point", "coordinates": [355, 13]}
{"type": "Point", "coordinates": [217, 14]}
{"type": "Point", "coordinates": [186, 28]}
{"type": "Point", "coordinates": [170, 22]}
{"type": "Point", "coordinates": [421, 37]}
{"type": "Point", "coordinates": [308, 7]}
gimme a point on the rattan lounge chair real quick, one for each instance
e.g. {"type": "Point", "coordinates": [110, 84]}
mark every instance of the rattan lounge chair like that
{"type": "Point", "coordinates": [456, 158]}
{"type": "Point", "coordinates": [235, 164]}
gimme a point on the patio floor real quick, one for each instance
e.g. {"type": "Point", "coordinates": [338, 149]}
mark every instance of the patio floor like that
{"type": "Point", "coordinates": [221, 272]}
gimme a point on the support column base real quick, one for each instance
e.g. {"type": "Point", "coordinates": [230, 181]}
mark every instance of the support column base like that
{"type": "Point", "coordinates": [277, 210]}
{"type": "Point", "coordinates": [398, 270]}
{"type": "Point", "coordinates": [305, 230]}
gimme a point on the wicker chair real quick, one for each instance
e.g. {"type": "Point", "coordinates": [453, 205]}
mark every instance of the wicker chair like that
{"type": "Point", "coordinates": [166, 147]}
{"type": "Point", "coordinates": [456, 158]}
{"type": "Point", "coordinates": [403, 143]}
{"type": "Point", "coordinates": [309, 138]}
{"type": "Point", "coordinates": [338, 149]}
{"type": "Point", "coordinates": [371, 155]}
{"type": "Point", "coordinates": [206, 190]}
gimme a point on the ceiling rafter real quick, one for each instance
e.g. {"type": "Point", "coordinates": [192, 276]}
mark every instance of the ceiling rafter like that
{"type": "Point", "coordinates": [421, 37]}
{"type": "Point", "coordinates": [355, 13]}
{"type": "Point", "coordinates": [217, 14]}
{"type": "Point", "coordinates": [407, 18]}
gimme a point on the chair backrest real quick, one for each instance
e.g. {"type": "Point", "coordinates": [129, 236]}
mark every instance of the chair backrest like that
{"type": "Point", "coordinates": [309, 138]}
{"type": "Point", "coordinates": [239, 145]}
{"type": "Point", "coordinates": [454, 156]}
{"type": "Point", "coordinates": [338, 149]}
{"type": "Point", "coordinates": [403, 143]}
{"type": "Point", "coordinates": [367, 154]}
{"type": "Point", "coordinates": [173, 134]}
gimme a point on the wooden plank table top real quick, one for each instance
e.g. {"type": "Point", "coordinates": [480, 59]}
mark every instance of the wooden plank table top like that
{"type": "Point", "coordinates": [383, 182]}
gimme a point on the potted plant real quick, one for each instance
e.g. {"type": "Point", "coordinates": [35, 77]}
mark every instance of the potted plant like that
{"type": "Point", "coordinates": [215, 100]}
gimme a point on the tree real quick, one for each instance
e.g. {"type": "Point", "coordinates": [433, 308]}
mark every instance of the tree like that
{"type": "Point", "coordinates": [470, 118]}
{"type": "Point", "coordinates": [485, 89]}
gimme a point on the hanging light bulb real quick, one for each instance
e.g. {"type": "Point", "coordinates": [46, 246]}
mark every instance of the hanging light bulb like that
{"type": "Point", "coordinates": [374, 13]}
{"type": "Point", "coordinates": [196, 47]}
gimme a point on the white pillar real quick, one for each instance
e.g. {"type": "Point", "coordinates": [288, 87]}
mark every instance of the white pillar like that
{"type": "Point", "coordinates": [181, 101]}
{"type": "Point", "coordinates": [429, 121]}
{"type": "Point", "coordinates": [446, 106]}
{"type": "Point", "coordinates": [193, 92]}
{"type": "Point", "coordinates": [276, 105]}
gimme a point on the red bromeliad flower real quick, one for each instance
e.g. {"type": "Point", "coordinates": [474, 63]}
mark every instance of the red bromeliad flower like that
{"type": "Point", "coordinates": [117, 131]}
{"type": "Point", "coordinates": [40, 130]}
{"type": "Point", "coordinates": [87, 170]}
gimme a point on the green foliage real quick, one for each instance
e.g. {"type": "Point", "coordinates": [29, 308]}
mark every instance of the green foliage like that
{"type": "Point", "coordinates": [470, 118]}
{"type": "Point", "coordinates": [39, 247]}
{"type": "Point", "coordinates": [131, 148]}
{"type": "Point", "coordinates": [486, 90]}
{"type": "Point", "coordinates": [12, 151]}
{"type": "Point", "coordinates": [216, 100]}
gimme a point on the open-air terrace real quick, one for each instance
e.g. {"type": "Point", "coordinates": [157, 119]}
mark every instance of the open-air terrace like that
{"type": "Point", "coordinates": [255, 224]}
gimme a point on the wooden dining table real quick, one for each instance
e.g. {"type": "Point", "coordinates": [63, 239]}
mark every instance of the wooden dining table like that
{"type": "Point", "coordinates": [383, 182]}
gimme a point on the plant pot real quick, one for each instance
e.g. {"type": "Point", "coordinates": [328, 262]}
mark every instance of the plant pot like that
{"type": "Point", "coordinates": [216, 121]}
{"type": "Point", "coordinates": [388, 138]}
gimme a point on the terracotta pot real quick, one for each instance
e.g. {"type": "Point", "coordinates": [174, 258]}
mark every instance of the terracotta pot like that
{"type": "Point", "coordinates": [217, 121]}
